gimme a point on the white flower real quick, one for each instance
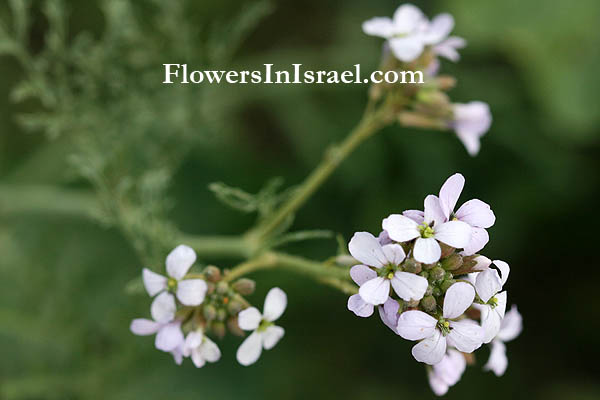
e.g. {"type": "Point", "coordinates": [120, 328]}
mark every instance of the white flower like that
{"type": "Point", "coordinates": [512, 325]}
{"type": "Point", "coordinates": [488, 285]}
{"type": "Point", "coordinates": [474, 212]}
{"type": "Point", "coordinates": [168, 335]}
{"type": "Point", "coordinates": [471, 121]}
{"type": "Point", "coordinates": [448, 48]}
{"type": "Point", "coordinates": [375, 286]}
{"type": "Point", "coordinates": [409, 31]}
{"type": "Point", "coordinates": [447, 372]}
{"type": "Point", "coordinates": [433, 229]}
{"type": "Point", "coordinates": [266, 334]}
{"type": "Point", "coordinates": [465, 335]}
{"type": "Point", "coordinates": [190, 292]}
{"type": "Point", "coordinates": [200, 348]}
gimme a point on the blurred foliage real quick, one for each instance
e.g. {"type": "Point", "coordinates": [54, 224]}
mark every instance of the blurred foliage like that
{"type": "Point", "coordinates": [83, 110]}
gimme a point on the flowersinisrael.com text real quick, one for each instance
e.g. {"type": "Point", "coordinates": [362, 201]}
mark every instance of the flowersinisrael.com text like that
{"type": "Point", "coordinates": [180, 73]}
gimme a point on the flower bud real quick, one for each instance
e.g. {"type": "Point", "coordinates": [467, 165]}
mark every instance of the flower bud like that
{"type": "Point", "coordinates": [244, 286]}
{"type": "Point", "coordinates": [429, 290]}
{"type": "Point", "coordinates": [210, 312]}
{"type": "Point", "coordinates": [445, 82]}
{"type": "Point", "coordinates": [436, 274]}
{"type": "Point", "coordinates": [424, 274]}
{"type": "Point", "coordinates": [428, 304]}
{"type": "Point", "coordinates": [218, 329]}
{"type": "Point", "coordinates": [437, 292]}
{"type": "Point", "coordinates": [235, 306]}
{"type": "Point", "coordinates": [233, 327]}
{"type": "Point", "coordinates": [212, 273]}
{"type": "Point", "coordinates": [446, 284]}
{"type": "Point", "coordinates": [446, 250]}
{"type": "Point", "coordinates": [222, 287]}
{"type": "Point", "coordinates": [221, 314]}
{"type": "Point", "coordinates": [412, 266]}
{"type": "Point", "coordinates": [411, 303]}
{"type": "Point", "coordinates": [452, 262]}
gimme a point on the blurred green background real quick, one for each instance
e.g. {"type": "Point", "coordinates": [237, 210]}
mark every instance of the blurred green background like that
{"type": "Point", "coordinates": [64, 310]}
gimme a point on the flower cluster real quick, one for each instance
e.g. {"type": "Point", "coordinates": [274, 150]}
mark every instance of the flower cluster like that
{"type": "Point", "coordinates": [430, 284]}
{"type": "Point", "coordinates": [187, 307]}
{"type": "Point", "coordinates": [414, 42]}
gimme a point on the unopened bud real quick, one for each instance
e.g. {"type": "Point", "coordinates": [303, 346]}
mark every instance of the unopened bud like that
{"type": "Point", "coordinates": [424, 274]}
{"type": "Point", "coordinates": [446, 284]}
{"type": "Point", "coordinates": [412, 303]}
{"type": "Point", "coordinates": [436, 274]}
{"type": "Point", "coordinates": [428, 304]}
{"type": "Point", "coordinates": [221, 314]}
{"type": "Point", "coordinates": [244, 286]}
{"type": "Point", "coordinates": [412, 266]}
{"type": "Point", "coordinates": [445, 82]}
{"type": "Point", "coordinates": [222, 287]}
{"type": "Point", "coordinates": [218, 328]}
{"type": "Point", "coordinates": [233, 327]}
{"type": "Point", "coordinates": [210, 312]}
{"type": "Point", "coordinates": [235, 306]}
{"type": "Point", "coordinates": [212, 273]}
{"type": "Point", "coordinates": [436, 292]}
{"type": "Point", "coordinates": [452, 262]}
{"type": "Point", "coordinates": [429, 290]}
{"type": "Point", "coordinates": [446, 250]}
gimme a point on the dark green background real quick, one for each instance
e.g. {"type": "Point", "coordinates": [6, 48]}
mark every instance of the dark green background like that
{"type": "Point", "coordinates": [64, 314]}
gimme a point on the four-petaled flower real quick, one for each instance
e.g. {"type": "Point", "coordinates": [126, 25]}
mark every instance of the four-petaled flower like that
{"type": "Point", "coordinates": [474, 212]}
{"type": "Point", "coordinates": [488, 284]}
{"type": "Point", "coordinates": [375, 286]}
{"type": "Point", "coordinates": [434, 228]}
{"type": "Point", "coordinates": [511, 327]}
{"type": "Point", "coordinates": [190, 292]}
{"type": "Point", "coordinates": [168, 335]}
{"type": "Point", "coordinates": [200, 349]}
{"type": "Point", "coordinates": [265, 334]}
{"type": "Point", "coordinates": [436, 334]}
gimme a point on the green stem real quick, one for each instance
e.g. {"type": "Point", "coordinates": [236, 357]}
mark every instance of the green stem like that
{"type": "Point", "coordinates": [368, 125]}
{"type": "Point", "coordinates": [217, 246]}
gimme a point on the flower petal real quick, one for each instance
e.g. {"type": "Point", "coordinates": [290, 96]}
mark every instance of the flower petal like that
{"type": "Point", "coordinates": [416, 325]}
{"type": "Point", "coordinates": [450, 192]}
{"type": "Point", "coordinates": [249, 319]}
{"type": "Point", "coordinates": [394, 253]}
{"type": "Point", "coordinates": [430, 350]}
{"type": "Point", "coordinates": [249, 351]}
{"type": "Point", "coordinates": [144, 327]}
{"type": "Point", "coordinates": [406, 49]}
{"type": "Point", "coordinates": [366, 248]}
{"type": "Point", "coordinates": [427, 250]}
{"type": "Point", "coordinates": [433, 211]}
{"type": "Point", "coordinates": [388, 312]}
{"type": "Point", "coordinates": [197, 358]}
{"type": "Point", "coordinates": [476, 213]}
{"type": "Point", "coordinates": [407, 18]}
{"type": "Point", "coordinates": [498, 362]}
{"type": "Point", "coordinates": [471, 121]}
{"type": "Point", "coordinates": [465, 335]}
{"type": "Point", "coordinates": [361, 273]}
{"type": "Point", "coordinates": [416, 215]}
{"type": "Point", "coordinates": [458, 298]}
{"type": "Point", "coordinates": [504, 270]}
{"type": "Point", "coordinates": [439, 28]}
{"type": "Point", "coordinates": [179, 261]}
{"type": "Point", "coordinates": [448, 48]}
{"type": "Point", "coordinates": [479, 238]}
{"type": "Point", "coordinates": [169, 337]}
{"type": "Point", "coordinates": [512, 325]}
{"type": "Point", "coordinates": [490, 322]}
{"type": "Point", "coordinates": [376, 291]}
{"type": "Point", "coordinates": [400, 228]}
{"type": "Point", "coordinates": [359, 307]}
{"type": "Point", "coordinates": [454, 233]}
{"type": "Point", "coordinates": [275, 304]}
{"type": "Point", "coordinates": [153, 282]}
{"type": "Point", "coordinates": [409, 286]}
{"type": "Point", "coordinates": [437, 384]}
{"type": "Point", "coordinates": [379, 26]}
{"type": "Point", "coordinates": [488, 283]}
{"type": "Point", "coordinates": [271, 336]}
{"type": "Point", "coordinates": [163, 308]}
{"type": "Point", "coordinates": [210, 351]}
{"type": "Point", "coordinates": [481, 263]}
{"type": "Point", "coordinates": [192, 341]}
{"type": "Point", "coordinates": [451, 368]}
{"type": "Point", "coordinates": [191, 292]}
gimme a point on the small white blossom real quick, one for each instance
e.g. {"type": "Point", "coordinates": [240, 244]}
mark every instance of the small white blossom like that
{"type": "Point", "coordinates": [200, 349]}
{"type": "Point", "coordinates": [189, 292]}
{"type": "Point", "coordinates": [474, 212]}
{"type": "Point", "coordinates": [488, 284]}
{"type": "Point", "coordinates": [471, 121]}
{"type": "Point", "coordinates": [436, 335]}
{"type": "Point", "coordinates": [447, 372]}
{"type": "Point", "coordinates": [409, 31]}
{"type": "Point", "coordinates": [374, 289]}
{"type": "Point", "coordinates": [432, 230]}
{"type": "Point", "coordinates": [168, 335]}
{"type": "Point", "coordinates": [512, 325]}
{"type": "Point", "coordinates": [265, 334]}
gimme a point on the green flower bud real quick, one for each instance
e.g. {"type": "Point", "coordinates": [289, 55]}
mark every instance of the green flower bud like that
{"type": "Point", "coordinates": [212, 273]}
{"type": "Point", "coordinates": [429, 290]}
{"type": "Point", "coordinates": [428, 267]}
{"type": "Point", "coordinates": [411, 303]}
{"type": "Point", "coordinates": [221, 314]}
{"type": "Point", "coordinates": [428, 304]}
{"type": "Point", "coordinates": [436, 274]}
{"type": "Point", "coordinates": [218, 329]}
{"type": "Point", "coordinates": [233, 327]}
{"type": "Point", "coordinates": [411, 265]}
{"type": "Point", "coordinates": [448, 275]}
{"type": "Point", "coordinates": [452, 262]}
{"type": "Point", "coordinates": [210, 312]}
{"type": "Point", "coordinates": [446, 284]}
{"type": "Point", "coordinates": [244, 286]}
{"type": "Point", "coordinates": [424, 274]}
{"type": "Point", "coordinates": [437, 292]}
{"type": "Point", "coordinates": [222, 287]}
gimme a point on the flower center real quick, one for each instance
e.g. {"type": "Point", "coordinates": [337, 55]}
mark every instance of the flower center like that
{"type": "Point", "coordinates": [426, 231]}
{"type": "Point", "coordinates": [264, 324]}
{"type": "Point", "coordinates": [387, 271]}
{"type": "Point", "coordinates": [493, 302]}
{"type": "Point", "coordinates": [172, 284]}
{"type": "Point", "coordinates": [443, 326]}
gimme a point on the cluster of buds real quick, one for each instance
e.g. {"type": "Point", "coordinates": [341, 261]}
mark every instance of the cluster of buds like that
{"type": "Point", "coordinates": [430, 284]}
{"type": "Point", "coordinates": [415, 43]}
{"type": "Point", "coordinates": [187, 307]}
